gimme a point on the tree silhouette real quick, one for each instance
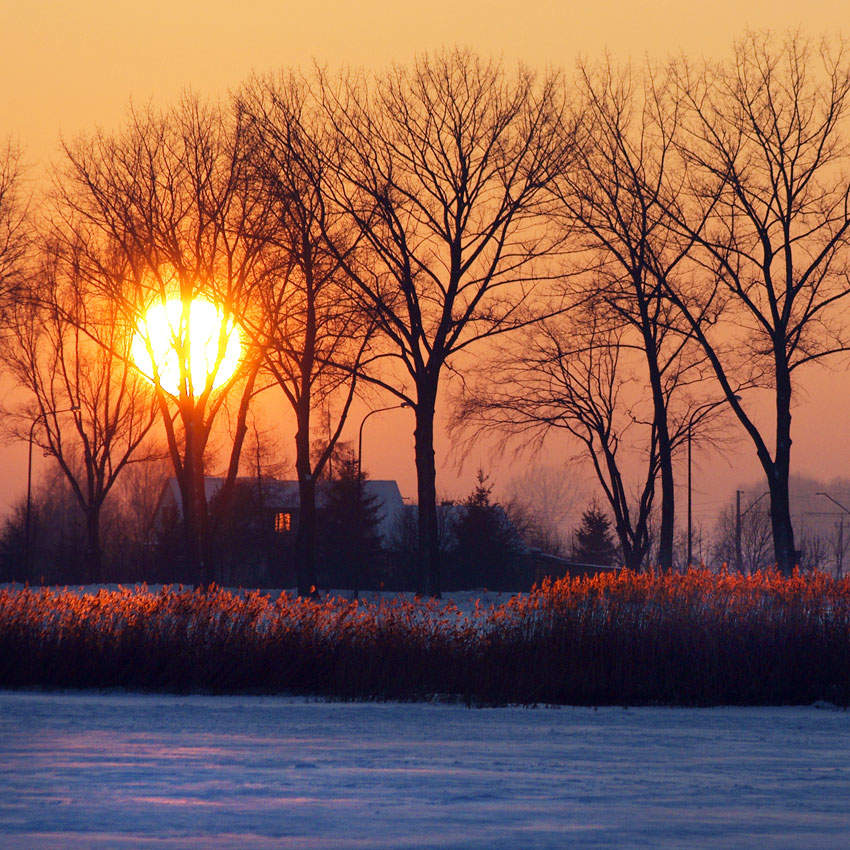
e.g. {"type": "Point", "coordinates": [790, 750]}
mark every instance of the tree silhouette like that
{"type": "Point", "coordinates": [609, 201]}
{"type": "Point", "coordinates": [572, 376]}
{"type": "Point", "coordinates": [593, 543]}
{"type": "Point", "coordinates": [485, 541]}
{"type": "Point", "coordinates": [316, 338]}
{"type": "Point", "coordinates": [158, 211]}
{"type": "Point", "coordinates": [14, 236]}
{"type": "Point", "coordinates": [349, 525]}
{"type": "Point", "coordinates": [767, 210]}
{"type": "Point", "coordinates": [442, 167]}
{"type": "Point", "coordinates": [86, 406]}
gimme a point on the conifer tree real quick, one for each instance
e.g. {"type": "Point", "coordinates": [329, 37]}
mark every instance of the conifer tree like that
{"type": "Point", "coordinates": [485, 542]}
{"type": "Point", "coordinates": [350, 519]}
{"type": "Point", "coordinates": [593, 543]}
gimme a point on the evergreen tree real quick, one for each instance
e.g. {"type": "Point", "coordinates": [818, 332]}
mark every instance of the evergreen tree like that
{"type": "Point", "coordinates": [593, 543]}
{"type": "Point", "coordinates": [349, 529]}
{"type": "Point", "coordinates": [486, 543]}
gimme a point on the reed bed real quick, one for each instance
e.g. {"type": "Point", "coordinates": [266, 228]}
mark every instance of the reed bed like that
{"type": "Point", "coordinates": [698, 638]}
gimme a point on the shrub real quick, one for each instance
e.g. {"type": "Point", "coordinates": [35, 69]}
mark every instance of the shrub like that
{"type": "Point", "coordinates": [614, 638]}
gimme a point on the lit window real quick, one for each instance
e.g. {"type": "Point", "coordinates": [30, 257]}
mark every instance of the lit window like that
{"type": "Point", "coordinates": [282, 522]}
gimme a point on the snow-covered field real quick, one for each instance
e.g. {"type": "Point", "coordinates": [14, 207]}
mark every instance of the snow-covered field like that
{"type": "Point", "coordinates": [137, 771]}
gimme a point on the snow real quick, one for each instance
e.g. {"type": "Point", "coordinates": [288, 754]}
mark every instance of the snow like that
{"type": "Point", "coordinates": [118, 770]}
{"type": "Point", "coordinates": [464, 600]}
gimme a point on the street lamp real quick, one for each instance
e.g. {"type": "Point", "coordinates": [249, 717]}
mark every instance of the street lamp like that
{"type": "Point", "coordinates": [359, 504]}
{"type": "Point", "coordinates": [834, 501]}
{"type": "Point", "coordinates": [690, 525]}
{"type": "Point", "coordinates": [739, 558]}
{"type": "Point", "coordinates": [360, 437]}
{"type": "Point", "coordinates": [35, 422]}
{"type": "Point", "coordinates": [840, 553]}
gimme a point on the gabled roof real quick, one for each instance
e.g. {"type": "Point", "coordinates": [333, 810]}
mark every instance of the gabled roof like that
{"type": "Point", "coordinates": [283, 495]}
{"type": "Point", "coordinates": [170, 496]}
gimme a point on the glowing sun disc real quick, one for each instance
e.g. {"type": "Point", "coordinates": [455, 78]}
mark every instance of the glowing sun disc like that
{"type": "Point", "coordinates": [211, 349]}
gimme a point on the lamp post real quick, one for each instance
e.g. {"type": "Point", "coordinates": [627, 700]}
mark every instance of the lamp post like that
{"type": "Point", "coordinates": [359, 505]}
{"type": "Point", "coordinates": [839, 558]}
{"type": "Point", "coordinates": [690, 527]}
{"type": "Point", "coordinates": [35, 422]}
{"type": "Point", "coordinates": [360, 437]}
{"type": "Point", "coordinates": [834, 501]}
{"type": "Point", "coordinates": [739, 558]}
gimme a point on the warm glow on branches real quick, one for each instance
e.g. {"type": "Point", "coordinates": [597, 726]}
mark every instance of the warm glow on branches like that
{"type": "Point", "coordinates": [192, 342]}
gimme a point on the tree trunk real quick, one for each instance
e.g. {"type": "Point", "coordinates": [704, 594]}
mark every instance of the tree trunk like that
{"type": "Point", "coordinates": [426, 481]}
{"type": "Point", "coordinates": [781, 525]}
{"type": "Point", "coordinates": [305, 536]}
{"type": "Point", "coordinates": [224, 497]}
{"type": "Point", "coordinates": [193, 495]}
{"type": "Point", "coordinates": [665, 462]}
{"type": "Point", "coordinates": [662, 431]}
{"type": "Point", "coordinates": [633, 558]}
{"type": "Point", "coordinates": [94, 559]}
{"type": "Point", "coordinates": [779, 473]}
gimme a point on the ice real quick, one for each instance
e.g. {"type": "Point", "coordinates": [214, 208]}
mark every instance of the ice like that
{"type": "Point", "coordinates": [118, 770]}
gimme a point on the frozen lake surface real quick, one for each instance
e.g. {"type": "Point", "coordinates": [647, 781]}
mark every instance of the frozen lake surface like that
{"type": "Point", "coordinates": [136, 771]}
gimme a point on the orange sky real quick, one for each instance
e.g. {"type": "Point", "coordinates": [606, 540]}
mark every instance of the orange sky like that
{"type": "Point", "coordinates": [67, 67]}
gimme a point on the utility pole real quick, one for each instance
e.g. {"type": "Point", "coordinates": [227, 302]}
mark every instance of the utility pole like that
{"type": "Point", "coordinates": [840, 553]}
{"type": "Point", "coordinates": [738, 517]}
{"type": "Point", "coordinates": [690, 537]}
{"type": "Point", "coordinates": [738, 558]}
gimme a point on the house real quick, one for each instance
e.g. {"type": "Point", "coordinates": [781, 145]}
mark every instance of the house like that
{"type": "Point", "coordinates": [254, 543]}
{"type": "Point", "coordinates": [254, 540]}
{"type": "Point", "coordinates": [278, 502]}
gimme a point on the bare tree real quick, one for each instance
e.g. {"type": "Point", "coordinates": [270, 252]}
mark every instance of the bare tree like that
{"type": "Point", "coordinates": [168, 198]}
{"type": "Point", "coordinates": [573, 376]}
{"type": "Point", "coordinates": [263, 456]}
{"type": "Point", "coordinates": [767, 205]}
{"type": "Point", "coordinates": [54, 553]}
{"type": "Point", "coordinates": [814, 550]}
{"type": "Point", "coordinates": [610, 202]}
{"type": "Point", "coordinates": [130, 539]}
{"type": "Point", "coordinates": [13, 235]}
{"type": "Point", "coordinates": [87, 406]}
{"type": "Point", "coordinates": [315, 337]}
{"type": "Point", "coordinates": [442, 167]}
{"type": "Point", "coordinates": [538, 503]}
{"type": "Point", "coordinates": [755, 536]}
{"type": "Point", "coordinates": [838, 542]}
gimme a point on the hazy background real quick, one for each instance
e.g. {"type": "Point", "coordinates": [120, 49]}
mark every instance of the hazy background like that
{"type": "Point", "coordinates": [68, 67]}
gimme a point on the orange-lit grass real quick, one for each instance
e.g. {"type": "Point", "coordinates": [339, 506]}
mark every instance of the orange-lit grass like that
{"type": "Point", "coordinates": [616, 638]}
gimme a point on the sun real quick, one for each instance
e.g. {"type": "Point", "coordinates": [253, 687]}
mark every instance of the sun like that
{"type": "Point", "coordinates": [193, 333]}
